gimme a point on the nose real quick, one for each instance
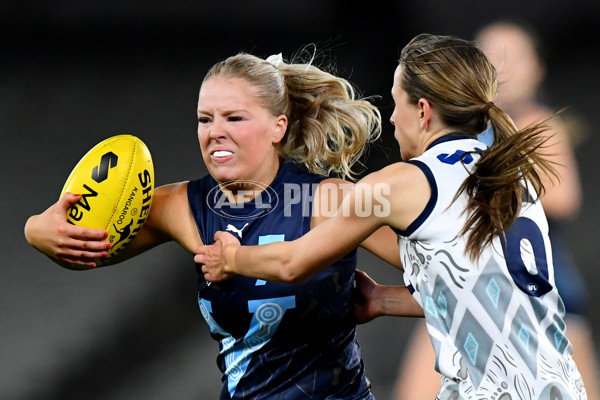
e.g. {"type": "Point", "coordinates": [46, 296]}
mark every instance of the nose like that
{"type": "Point", "coordinates": [216, 130]}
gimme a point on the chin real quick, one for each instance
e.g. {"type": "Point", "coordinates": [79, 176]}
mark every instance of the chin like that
{"type": "Point", "coordinates": [223, 178]}
{"type": "Point", "coordinates": [223, 174]}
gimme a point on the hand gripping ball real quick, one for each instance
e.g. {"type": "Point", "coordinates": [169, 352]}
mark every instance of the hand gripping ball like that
{"type": "Point", "coordinates": [116, 182]}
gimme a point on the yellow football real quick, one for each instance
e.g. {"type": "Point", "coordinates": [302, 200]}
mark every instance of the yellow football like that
{"type": "Point", "coordinates": [116, 182]}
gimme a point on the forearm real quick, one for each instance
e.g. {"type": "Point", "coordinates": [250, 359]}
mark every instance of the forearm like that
{"type": "Point", "coordinates": [396, 301]}
{"type": "Point", "coordinates": [252, 261]}
{"type": "Point", "coordinates": [275, 262]}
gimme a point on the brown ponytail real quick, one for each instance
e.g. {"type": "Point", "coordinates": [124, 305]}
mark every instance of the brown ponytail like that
{"type": "Point", "coordinates": [496, 188]}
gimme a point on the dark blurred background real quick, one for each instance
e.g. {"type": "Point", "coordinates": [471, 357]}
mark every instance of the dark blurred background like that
{"type": "Point", "coordinates": [75, 73]}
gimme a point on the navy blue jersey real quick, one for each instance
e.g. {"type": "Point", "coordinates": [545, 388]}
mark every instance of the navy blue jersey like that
{"type": "Point", "coordinates": [279, 341]}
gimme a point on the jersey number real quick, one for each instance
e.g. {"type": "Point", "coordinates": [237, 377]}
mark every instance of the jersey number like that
{"type": "Point", "coordinates": [526, 259]}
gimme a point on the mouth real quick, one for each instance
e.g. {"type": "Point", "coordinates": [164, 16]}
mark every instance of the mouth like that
{"type": "Point", "coordinates": [221, 155]}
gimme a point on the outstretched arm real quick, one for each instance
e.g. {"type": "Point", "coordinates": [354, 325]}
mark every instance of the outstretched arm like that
{"type": "Point", "coordinates": [294, 261]}
{"type": "Point", "coordinates": [80, 248]}
{"type": "Point", "coordinates": [394, 196]}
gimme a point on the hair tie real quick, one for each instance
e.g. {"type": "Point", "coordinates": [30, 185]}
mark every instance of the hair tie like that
{"type": "Point", "coordinates": [487, 107]}
{"type": "Point", "coordinates": [275, 59]}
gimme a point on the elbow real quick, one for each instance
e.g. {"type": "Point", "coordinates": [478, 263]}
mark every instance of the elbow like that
{"type": "Point", "coordinates": [292, 276]}
{"type": "Point", "coordinates": [28, 230]}
{"type": "Point", "coordinates": [289, 278]}
{"type": "Point", "coordinates": [290, 272]}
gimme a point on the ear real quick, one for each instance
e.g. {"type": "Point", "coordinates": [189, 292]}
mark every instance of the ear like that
{"type": "Point", "coordinates": [425, 113]}
{"type": "Point", "coordinates": [280, 128]}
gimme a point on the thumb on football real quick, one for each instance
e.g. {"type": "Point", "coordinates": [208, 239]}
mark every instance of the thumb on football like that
{"type": "Point", "coordinates": [68, 200]}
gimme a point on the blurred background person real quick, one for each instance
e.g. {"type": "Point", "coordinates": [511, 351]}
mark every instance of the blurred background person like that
{"type": "Point", "coordinates": [514, 49]}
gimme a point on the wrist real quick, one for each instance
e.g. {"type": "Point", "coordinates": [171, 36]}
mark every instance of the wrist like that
{"type": "Point", "coordinates": [380, 301]}
{"type": "Point", "coordinates": [230, 263]}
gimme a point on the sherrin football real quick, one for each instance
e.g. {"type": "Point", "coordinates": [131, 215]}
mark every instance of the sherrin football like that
{"type": "Point", "coordinates": [116, 182]}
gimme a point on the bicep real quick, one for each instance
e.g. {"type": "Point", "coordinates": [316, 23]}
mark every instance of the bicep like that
{"type": "Point", "coordinates": [356, 218]}
{"type": "Point", "coordinates": [169, 219]}
{"type": "Point", "coordinates": [393, 196]}
{"type": "Point", "coordinates": [329, 201]}
{"type": "Point", "coordinates": [401, 192]}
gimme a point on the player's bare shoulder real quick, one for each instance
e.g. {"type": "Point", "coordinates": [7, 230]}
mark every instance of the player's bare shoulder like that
{"type": "Point", "coordinates": [407, 189]}
{"type": "Point", "coordinates": [400, 176]}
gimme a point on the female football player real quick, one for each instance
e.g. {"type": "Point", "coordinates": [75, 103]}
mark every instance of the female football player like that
{"type": "Point", "coordinates": [473, 234]}
{"type": "Point", "coordinates": [270, 132]}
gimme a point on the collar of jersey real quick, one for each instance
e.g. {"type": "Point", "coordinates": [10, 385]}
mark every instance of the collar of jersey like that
{"type": "Point", "coordinates": [449, 137]}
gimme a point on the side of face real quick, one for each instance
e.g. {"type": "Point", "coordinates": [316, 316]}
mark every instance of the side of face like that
{"type": "Point", "coordinates": [405, 119]}
{"type": "Point", "coordinates": [238, 136]}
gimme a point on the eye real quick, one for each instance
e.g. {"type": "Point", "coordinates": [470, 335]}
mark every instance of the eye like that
{"type": "Point", "coordinates": [203, 120]}
{"type": "Point", "coordinates": [234, 118]}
